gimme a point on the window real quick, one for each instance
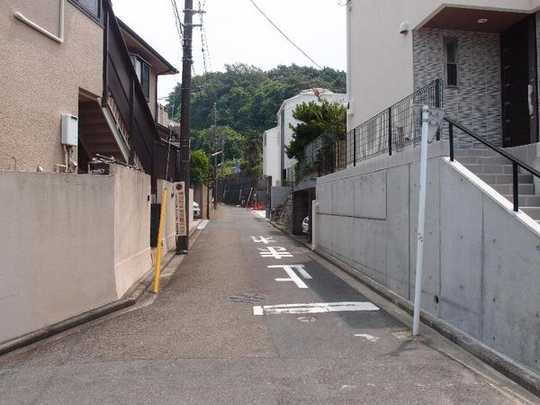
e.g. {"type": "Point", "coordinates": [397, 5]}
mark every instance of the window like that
{"type": "Point", "coordinates": [93, 7]}
{"type": "Point", "coordinates": [142, 69]}
{"type": "Point", "coordinates": [451, 50]}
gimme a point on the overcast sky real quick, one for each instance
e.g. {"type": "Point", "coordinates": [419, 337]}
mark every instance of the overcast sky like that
{"type": "Point", "coordinates": [238, 33]}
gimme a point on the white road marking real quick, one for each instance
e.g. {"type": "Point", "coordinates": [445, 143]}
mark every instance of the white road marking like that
{"type": "Point", "coordinates": [259, 213]}
{"type": "Point", "coordinates": [202, 225]}
{"type": "Point", "coordinates": [290, 270]}
{"type": "Point", "coordinates": [369, 338]}
{"type": "Point", "coordinates": [262, 239]}
{"type": "Point", "coordinates": [316, 308]}
{"type": "Point", "coordinates": [274, 252]}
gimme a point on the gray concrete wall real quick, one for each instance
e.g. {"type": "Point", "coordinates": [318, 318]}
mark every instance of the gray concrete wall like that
{"type": "Point", "coordinates": [69, 244]}
{"type": "Point", "coordinates": [41, 79]}
{"type": "Point", "coordinates": [482, 261]}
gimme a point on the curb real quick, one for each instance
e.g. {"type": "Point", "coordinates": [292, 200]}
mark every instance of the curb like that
{"type": "Point", "coordinates": [523, 376]}
{"type": "Point", "coordinates": [131, 297]}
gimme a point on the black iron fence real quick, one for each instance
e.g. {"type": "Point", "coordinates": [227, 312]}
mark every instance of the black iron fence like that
{"type": "Point", "coordinates": [393, 128]}
{"type": "Point", "coordinates": [389, 131]}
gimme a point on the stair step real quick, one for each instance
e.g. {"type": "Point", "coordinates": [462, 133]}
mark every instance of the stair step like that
{"type": "Point", "coordinates": [526, 200]}
{"type": "Point", "coordinates": [490, 168]}
{"type": "Point", "coordinates": [533, 212]}
{"type": "Point", "coordinates": [506, 178]}
{"type": "Point", "coordinates": [471, 152]}
{"type": "Point", "coordinates": [483, 160]}
{"type": "Point", "coordinates": [507, 189]}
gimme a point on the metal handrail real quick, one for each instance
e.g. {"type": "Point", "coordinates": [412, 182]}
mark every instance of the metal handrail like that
{"type": "Point", "coordinates": [516, 162]}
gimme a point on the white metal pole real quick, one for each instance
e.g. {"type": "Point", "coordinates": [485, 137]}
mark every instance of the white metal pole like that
{"type": "Point", "coordinates": [421, 221]}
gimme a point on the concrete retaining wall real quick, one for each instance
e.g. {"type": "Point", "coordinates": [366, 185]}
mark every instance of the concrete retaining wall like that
{"type": "Point", "coordinates": [482, 261]}
{"type": "Point", "coordinates": [69, 244]}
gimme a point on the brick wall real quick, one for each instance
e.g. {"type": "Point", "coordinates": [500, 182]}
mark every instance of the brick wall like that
{"type": "Point", "coordinates": [476, 101]}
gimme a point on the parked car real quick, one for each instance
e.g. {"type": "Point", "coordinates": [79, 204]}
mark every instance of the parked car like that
{"type": "Point", "coordinates": [305, 225]}
{"type": "Point", "coordinates": [196, 210]}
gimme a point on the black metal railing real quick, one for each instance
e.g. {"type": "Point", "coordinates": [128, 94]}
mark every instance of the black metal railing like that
{"type": "Point", "coordinates": [393, 128]}
{"type": "Point", "coordinates": [516, 163]}
{"type": "Point", "coordinates": [130, 105]}
{"type": "Point", "coordinates": [324, 155]}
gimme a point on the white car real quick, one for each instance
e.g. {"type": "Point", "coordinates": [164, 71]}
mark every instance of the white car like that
{"type": "Point", "coordinates": [196, 209]}
{"type": "Point", "coordinates": [305, 225]}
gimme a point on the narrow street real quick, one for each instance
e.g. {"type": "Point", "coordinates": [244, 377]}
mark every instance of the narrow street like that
{"type": "Point", "coordinates": [237, 323]}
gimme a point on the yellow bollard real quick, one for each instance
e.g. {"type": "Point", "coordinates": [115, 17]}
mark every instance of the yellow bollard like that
{"type": "Point", "coordinates": [163, 211]}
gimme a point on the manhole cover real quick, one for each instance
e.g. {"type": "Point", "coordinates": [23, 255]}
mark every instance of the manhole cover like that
{"type": "Point", "coordinates": [247, 298]}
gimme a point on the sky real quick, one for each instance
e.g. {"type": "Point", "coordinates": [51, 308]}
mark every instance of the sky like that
{"type": "Point", "coordinates": [237, 33]}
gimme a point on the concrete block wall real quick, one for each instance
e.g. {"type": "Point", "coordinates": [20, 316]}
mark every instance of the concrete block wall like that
{"type": "Point", "coordinates": [482, 261]}
{"type": "Point", "coordinates": [69, 244]}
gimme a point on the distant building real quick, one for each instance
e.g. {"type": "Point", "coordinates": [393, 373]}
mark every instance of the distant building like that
{"type": "Point", "coordinates": [274, 149]}
{"type": "Point", "coordinates": [271, 153]}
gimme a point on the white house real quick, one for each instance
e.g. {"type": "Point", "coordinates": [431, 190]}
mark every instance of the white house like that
{"type": "Point", "coordinates": [276, 161]}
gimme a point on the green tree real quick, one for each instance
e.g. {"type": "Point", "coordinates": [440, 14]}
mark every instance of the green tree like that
{"type": "Point", "coordinates": [200, 167]}
{"type": "Point", "coordinates": [247, 100]}
{"type": "Point", "coordinates": [316, 119]}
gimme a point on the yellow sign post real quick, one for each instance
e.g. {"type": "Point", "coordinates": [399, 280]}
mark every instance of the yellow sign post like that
{"type": "Point", "coordinates": [163, 212]}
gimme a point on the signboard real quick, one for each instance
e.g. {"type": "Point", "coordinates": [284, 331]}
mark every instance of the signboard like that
{"type": "Point", "coordinates": [180, 209]}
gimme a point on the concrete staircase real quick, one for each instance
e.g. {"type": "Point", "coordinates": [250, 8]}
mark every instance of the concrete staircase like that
{"type": "Point", "coordinates": [496, 170]}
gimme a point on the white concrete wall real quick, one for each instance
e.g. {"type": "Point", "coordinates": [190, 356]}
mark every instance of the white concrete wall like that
{"type": "Point", "coordinates": [380, 60]}
{"type": "Point", "coordinates": [482, 261]}
{"type": "Point", "coordinates": [271, 155]}
{"type": "Point", "coordinates": [69, 244]}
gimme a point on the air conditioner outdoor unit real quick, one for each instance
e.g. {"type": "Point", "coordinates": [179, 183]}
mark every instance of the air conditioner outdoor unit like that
{"type": "Point", "coordinates": [70, 130]}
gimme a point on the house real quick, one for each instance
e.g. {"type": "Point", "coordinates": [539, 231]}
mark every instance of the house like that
{"type": "Point", "coordinates": [286, 190]}
{"type": "Point", "coordinates": [78, 84]}
{"type": "Point", "coordinates": [476, 61]}
{"type": "Point", "coordinates": [285, 120]}
{"type": "Point", "coordinates": [72, 67]}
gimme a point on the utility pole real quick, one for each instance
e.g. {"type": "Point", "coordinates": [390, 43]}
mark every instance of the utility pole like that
{"type": "Point", "coordinates": [215, 157]}
{"type": "Point", "coordinates": [182, 242]}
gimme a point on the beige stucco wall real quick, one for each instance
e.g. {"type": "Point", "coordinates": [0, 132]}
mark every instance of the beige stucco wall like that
{"type": "Point", "coordinates": [57, 248]}
{"type": "Point", "coordinates": [131, 227]}
{"type": "Point", "coordinates": [380, 59]}
{"type": "Point", "coordinates": [41, 79]}
{"type": "Point", "coordinates": [69, 244]}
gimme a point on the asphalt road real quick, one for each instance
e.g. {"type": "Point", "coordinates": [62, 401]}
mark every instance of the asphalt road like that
{"type": "Point", "coordinates": [223, 331]}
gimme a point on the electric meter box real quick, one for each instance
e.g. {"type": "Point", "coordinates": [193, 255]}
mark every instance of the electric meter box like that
{"type": "Point", "coordinates": [70, 130]}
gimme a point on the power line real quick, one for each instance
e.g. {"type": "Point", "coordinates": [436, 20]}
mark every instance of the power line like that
{"type": "Point", "coordinates": [283, 33]}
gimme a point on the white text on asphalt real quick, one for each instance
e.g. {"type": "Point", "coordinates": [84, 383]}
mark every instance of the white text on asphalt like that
{"type": "Point", "coordinates": [274, 252]}
{"type": "Point", "coordinates": [262, 239]}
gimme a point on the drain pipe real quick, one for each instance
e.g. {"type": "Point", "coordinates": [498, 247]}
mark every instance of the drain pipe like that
{"type": "Point", "coordinates": [58, 38]}
{"type": "Point", "coordinates": [421, 221]}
